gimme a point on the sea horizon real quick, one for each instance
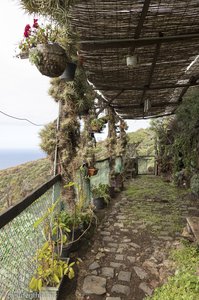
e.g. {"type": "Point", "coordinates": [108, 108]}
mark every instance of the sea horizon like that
{"type": "Point", "coordinates": [14, 157]}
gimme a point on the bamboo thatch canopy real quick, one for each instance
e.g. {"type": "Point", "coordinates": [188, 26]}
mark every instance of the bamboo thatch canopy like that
{"type": "Point", "coordinates": [164, 34]}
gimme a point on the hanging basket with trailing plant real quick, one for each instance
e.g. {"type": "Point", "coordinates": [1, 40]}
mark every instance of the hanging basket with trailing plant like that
{"type": "Point", "coordinates": [41, 44]}
{"type": "Point", "coordinates": [50, 59]}
{"type": "Point", "coordinates": [97, 125]}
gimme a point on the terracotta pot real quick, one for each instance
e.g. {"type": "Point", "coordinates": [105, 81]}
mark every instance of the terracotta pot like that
{"type": "Point", "coordinates": [92, 171]}
{"type": "Point", "coordinates": [96, 129]}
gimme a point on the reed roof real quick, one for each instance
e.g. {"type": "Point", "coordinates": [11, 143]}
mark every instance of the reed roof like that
{"type": "Point", "coordinates": [164, 34]}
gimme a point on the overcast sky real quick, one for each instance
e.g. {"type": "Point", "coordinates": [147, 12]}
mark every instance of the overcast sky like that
{"type": "Point", "coordinates": [23, 90]}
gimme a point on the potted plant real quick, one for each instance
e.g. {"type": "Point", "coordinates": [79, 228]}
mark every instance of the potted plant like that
{"type": "Point", "coordinates": [61, 233]}
{"type": "Point", "coordinates": [49, 272]}
{"type": "Point", "coordinates": [50, 267]}
{"type": "Point", "coordinates": [92, 171]}
{"type": "Point", "coordinates": [101, 195]}
{"type": "Point", "coordinates": [97, 124]}
{"type": "Point", "coordinates": [41, 44]}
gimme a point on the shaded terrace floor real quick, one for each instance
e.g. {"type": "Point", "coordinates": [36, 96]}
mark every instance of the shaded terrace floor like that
{"type": "Point", "coordinates": [128, 254]}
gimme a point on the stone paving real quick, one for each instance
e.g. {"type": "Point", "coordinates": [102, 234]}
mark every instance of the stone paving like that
{"type": "Point", "coordinates": [129, 255]}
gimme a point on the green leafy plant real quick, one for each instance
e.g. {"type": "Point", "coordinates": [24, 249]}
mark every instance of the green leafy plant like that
{"type": "Point", "coordinates": [35, 56]}
{"type": "Point", "coordinates": [184, 284]}
{"type": "Point", "coordinates": [102, 190]}
{"type": "Point", "coordinates": [97, 124]}
{"type": "Point", "coordinates": [50, 268]}
{"type": "Point", "coordinates": [56, 9]}
{"type": "Point", "coordinates": [194, 184]}
{"type": "Point", "coordinates": [60, 231]}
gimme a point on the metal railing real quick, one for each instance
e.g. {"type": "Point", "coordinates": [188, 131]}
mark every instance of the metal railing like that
{"type": "Point", "coordinates": [19, 240]}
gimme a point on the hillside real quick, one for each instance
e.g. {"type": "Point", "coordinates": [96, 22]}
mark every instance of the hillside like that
{"type": "Point", "coordinates": [17, 182]}
{"type": "Point", "coordinates": [143, 141]}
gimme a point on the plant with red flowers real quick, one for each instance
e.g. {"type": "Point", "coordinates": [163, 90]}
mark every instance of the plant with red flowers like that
{"type": "Point", "coordinates": [37, 34]}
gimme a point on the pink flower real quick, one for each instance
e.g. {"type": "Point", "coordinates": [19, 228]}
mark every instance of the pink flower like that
{"type": "Point", "coordinates": [27, 30]}
{"type": "Point", "coordinates": [35, 23]}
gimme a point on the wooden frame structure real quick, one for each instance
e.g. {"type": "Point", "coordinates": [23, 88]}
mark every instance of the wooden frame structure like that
{"type": "Point", "coordinates": [163, 34]}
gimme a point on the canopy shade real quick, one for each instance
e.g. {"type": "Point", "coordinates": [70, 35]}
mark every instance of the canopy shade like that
{"type": "Point", "coordinates": [162, 34]}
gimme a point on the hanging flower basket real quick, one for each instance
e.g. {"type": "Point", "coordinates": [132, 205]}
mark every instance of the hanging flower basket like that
{"type": "Point", "coordinates": [51, 59]}
{"type": "Point", "coordinates": [92, 171]}
{"type": "Point", "coordinates": [97, 125]}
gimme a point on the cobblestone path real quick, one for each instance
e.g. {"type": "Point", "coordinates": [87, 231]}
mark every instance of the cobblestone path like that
{"type": "Point", "coordinates": [129, 254]}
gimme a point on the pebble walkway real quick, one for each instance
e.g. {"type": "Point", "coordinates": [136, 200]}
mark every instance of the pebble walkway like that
{"type": "Point", "coordinates": [129, 255]}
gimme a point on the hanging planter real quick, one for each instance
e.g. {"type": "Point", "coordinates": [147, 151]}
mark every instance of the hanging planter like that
{"type": "Point", "coordinates": [69, 72]}
{"type": "Point", "coordinates": [92, 171]}
{"type": "Point", "coordinates": [50, 59]}
{"type": "Point", "coordinates": [97, 125]}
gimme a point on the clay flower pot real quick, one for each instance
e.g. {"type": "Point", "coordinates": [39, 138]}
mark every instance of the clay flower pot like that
{"type": "Point", "coordinates": [92, 171]}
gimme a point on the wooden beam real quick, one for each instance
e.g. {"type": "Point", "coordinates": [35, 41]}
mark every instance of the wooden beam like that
{"type": "Point", "coordinates": [129, 43]}
{"type": "Point", "coordinates": [140, 23]}
{"type": "Point", "coordinates": [155, 58]}
{"type": "Point", "coordinates": [160, 105]}
{"type": "Point", "coordinates": [131, 117]}
{"type": "Point", "coordinates": [192, 82]}
{"type": "Point", "coordinates": [141, 88]}
{"type": "Point", "coordinates": [142, 18]}
{"type": "Point", "coordinates": [107, 104]}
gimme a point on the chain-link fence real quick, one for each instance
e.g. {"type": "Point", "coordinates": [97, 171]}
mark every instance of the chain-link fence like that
{"type": "Point", "coordinates": [19, 241]}
{"type": "Point", "coordinates": [102, 177]}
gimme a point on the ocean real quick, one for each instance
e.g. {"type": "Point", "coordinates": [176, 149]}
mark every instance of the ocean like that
{"type": "Point", "coordinates": [14, 157]}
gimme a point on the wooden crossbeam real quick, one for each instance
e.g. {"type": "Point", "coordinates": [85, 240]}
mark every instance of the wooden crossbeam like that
{"type": "Point", "coordinates": [155, 58]}
{"type": "Point", "coordinates": [141, 88]}
{"type": "Point", "coordinates": [108, 103]}
{"type": "Point", "coordinates": [139, 42]}
{"type": "Point", "coordinates": [192, 81]}
{"type": "Point", "coordinates": [140, 23]}
{"type": "Point", "coordinates": [161, 105]}
{"type": "Point", "coordinates": [134, 117]}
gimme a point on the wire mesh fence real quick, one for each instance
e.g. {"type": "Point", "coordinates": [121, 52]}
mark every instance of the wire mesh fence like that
{"type": "Point", "coordinates": [19, 241]}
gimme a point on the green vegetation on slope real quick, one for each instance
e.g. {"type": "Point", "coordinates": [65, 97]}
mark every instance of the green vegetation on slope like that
{"type": "Point", "coordinates": [143, 139]}
{"type": "Point", "coordinates": [184, 285]}
{"type": "Point", "coordinates": [17, 182]}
